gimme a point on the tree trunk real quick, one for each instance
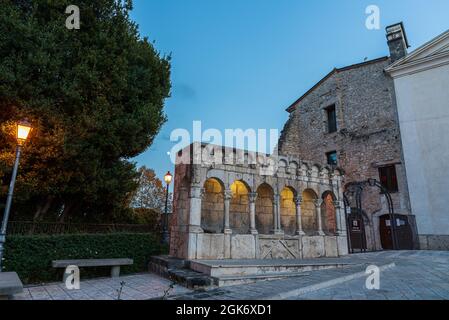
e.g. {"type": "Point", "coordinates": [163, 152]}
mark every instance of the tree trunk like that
{"type": "Point", "coordinates": [67, 208]}
{"type": "Point", "coordinates": [42, 209]}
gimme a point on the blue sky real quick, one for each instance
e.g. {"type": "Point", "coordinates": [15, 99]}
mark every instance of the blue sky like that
{"type": "Point", "coordinates": [241, 63]}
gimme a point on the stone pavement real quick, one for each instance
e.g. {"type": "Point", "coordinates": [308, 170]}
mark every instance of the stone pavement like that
{"type": "Point", "coordinates": [417, 275]}
{"type": "Point", "coordinates": [137, 287]}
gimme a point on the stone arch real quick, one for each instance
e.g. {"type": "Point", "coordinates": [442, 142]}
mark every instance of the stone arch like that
{"type": "Point", "coordinates": [329, 213]}
{"type": "Point", "coordinates": [293, 167]}
{"type": "Point", "coordinates": [239, 207]}
{"type": "Point", "coordinates": [212, 206]}
{"type": "Point", "coordinates": [288, 210]}
{"type": "Point", "coordinates": [265, 209]}
{"type": "Point", "coordinates": [283, 165]}
{"type": "Point", "coordinates": [315, 171]}
{"type": "Point", "coordinates": [308, 210]}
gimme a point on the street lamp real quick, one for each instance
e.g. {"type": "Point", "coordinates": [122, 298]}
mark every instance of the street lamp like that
{"type": "Point", "coordinates": [165, 236]}
{"type": "Point", "coordinates": [23, 130]}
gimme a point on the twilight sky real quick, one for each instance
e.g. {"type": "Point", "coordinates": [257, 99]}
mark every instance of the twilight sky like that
{"type": "Point", "coordinates": [241, 63]}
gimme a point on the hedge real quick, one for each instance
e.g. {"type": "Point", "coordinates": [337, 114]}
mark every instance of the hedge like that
{"type": "Point", "coordinates": [31, 256]}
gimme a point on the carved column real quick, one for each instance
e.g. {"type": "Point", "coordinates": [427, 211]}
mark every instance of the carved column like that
{"type": "Point", "coordinates": [252, 197]}
{"type": "Point", "coordinates": [277, 214]}
{"type": "Point", "coordinates": [341, 218]}
{"type": "Point", "coordinates": [227, 206]}
{"type": "Point", "coordinates": [299, 230]}
{"type": "Point", "coordinates": [319, 218]}
{"type": "Point", "coordinates": [196, 193]}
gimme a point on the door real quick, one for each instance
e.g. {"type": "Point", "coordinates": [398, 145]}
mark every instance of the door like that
{"type": "Point", "coordinates": [357, 232]}
{"type": "Point", "coordinates": [403, 232]}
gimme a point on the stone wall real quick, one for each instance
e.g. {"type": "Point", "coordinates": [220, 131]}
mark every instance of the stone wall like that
{"type": "Point", "coordinates": [368, 134]}
{"type": "Point", "coordinates": [254, 211]}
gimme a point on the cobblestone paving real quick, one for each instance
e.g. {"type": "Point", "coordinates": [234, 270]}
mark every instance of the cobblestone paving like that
{"type": "Point", "coordinates": [417, 275]}
{"type": "Point", "coordinates": [137, 287]}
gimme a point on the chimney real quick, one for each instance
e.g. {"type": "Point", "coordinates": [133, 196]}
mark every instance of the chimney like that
{"type": "Point", "coordinates": [397, 41]}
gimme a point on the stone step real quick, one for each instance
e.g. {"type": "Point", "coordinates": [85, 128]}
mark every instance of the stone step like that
{"type": "Point", "coordinates": [219, 269]}
{"type": "Point", "coordinates": [177, 271]}
{"type": "Point", "coordinates": [227, 281]}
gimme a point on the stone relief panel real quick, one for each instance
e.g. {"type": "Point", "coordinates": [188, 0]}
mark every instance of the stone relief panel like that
{"type": "Point", "coordinates": [279, 249]}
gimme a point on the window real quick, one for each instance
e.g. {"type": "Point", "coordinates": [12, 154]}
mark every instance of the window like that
{"type": "Point", "coordinates": [331, 119]}
{"type": "Point", "coordinates": [388, 178]}
{"type": "Point", "coordinates": [332, 158]}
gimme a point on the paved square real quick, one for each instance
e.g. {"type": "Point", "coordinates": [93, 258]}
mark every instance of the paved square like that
{"type": "Point", "coordinates": [137, 287]}
{"type": "Point", "coordinates": [416, 275]}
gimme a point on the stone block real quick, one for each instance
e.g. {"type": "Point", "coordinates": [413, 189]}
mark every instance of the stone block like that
{"type": "Point", "coordinates": [330, 247]}
{"type": "Point", "coordinates": [313, 247]}
{"type": "Point", "coordinates": [342, 243]}
{"type": "Point", "coordinates": [243, 247]}
{"type": "Point", "coordinates": [211, 246]}
{"type": "Point", "coordinates": [438, 242]}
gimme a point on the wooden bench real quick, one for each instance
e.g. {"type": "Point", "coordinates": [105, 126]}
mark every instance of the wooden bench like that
{"type": "Point", "coordinates": [10, 285]}
{"type": "Point", "coordinates": [114, 263]}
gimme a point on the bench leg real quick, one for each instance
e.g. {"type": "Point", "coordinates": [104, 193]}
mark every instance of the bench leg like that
{"type": "Point", "coordinates": [115, 272]}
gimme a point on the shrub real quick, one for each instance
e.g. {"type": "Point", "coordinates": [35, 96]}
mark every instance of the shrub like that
{"type": "Point", "coordinates": [31, 256]}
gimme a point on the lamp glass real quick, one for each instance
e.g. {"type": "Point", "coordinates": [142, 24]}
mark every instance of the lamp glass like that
{"type": "Point", "coordinates": [23, 130]}
{"type": "Point", "coordinates": [168, 178]}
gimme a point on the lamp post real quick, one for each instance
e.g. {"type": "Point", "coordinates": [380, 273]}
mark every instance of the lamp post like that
{"type": "Point", "coordinates": [165, 236]}
{"type": "Point", "coordinates": [23, 130]}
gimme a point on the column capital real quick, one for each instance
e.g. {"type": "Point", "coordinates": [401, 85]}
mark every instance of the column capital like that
{"type": "Point", "coordinates": [298, 200]}
{"type": "Point", "coordinates": [227, 194]}
{"type": "Point", "coordinates": [197, 192]}
{"type": "Point", "coordinates": [338, 205]}
{"type": "Point", "coordinates": [318, 203]}
{"type": "Point", "coordinates": [252, 196]}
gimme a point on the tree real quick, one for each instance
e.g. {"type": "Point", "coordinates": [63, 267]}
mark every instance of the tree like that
{"type": "Point", "coordinates": [95, 97]}
{"type": "Point", "coordinates": [151, 192]}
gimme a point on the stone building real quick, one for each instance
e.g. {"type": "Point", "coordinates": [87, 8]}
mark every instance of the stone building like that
{"type": "Point", "coordinates": [349, 119]}
{"type": "Point", "coordinates": [233, 204]}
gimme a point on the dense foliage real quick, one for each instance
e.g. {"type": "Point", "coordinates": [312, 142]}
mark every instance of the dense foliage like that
{"type": "Point", "coordinates": [95, 98]}
{"type": "Point", "coordinates": [31, 256]}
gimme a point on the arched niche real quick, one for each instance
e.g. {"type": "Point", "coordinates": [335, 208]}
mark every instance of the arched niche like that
{"type": "Point", "coordinates": [329, 213]}
{"type": "Point", "coordinates": [288, 211]}
{"type": "Point", "coordinates": [264, 209]}
{"type": "Point", "coordinates": [308, 211]}
{"type": "Point", "coordinates": [212, 206]}
{"type": "Point", "coordinates": [239, 209]}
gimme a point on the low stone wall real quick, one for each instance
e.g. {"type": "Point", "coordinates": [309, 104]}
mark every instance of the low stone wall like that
{"type": "Point", "coordinates": [434, 242]}
{"type": "Point", "coordinates": [203, 246]}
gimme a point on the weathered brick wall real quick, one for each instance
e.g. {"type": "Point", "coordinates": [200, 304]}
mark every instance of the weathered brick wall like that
{"type": "Point", "coordinates": [368, 132]}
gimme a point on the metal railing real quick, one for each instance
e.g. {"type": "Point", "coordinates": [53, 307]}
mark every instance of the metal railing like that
{"type": "Point", "coordinates": [51, 228]}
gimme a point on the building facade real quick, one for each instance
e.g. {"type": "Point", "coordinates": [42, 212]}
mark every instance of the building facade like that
{"type": "Point", "coordinates": [421, 81]}
{"type": "Point", "coordinates": [350, 119]}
